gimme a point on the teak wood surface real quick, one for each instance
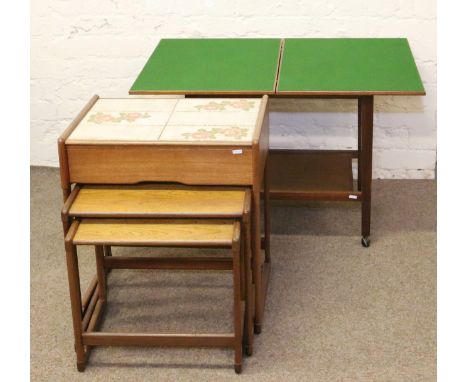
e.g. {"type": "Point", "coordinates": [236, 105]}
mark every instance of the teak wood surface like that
{"type": "Point", "coordinates": [158, 201]}
{"type": "Point", "coordinates": [194, 164]}
{"type": "Point", "coordinates": [163, 233]}
{"type": "Point", "coordinates": [311, 174]}
{"type": "Point", "coordinates": [126, 164]}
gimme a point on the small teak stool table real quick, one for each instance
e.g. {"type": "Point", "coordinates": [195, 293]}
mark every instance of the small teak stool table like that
{"type": "Point", "coordinates": [153, 233]}
{"type": "Point", "coordinates": [221, 142]}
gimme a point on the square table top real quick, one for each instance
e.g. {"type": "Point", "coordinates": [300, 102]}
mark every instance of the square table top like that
{"type": "Point", "coordinates": [169, 121]}
{"type": "Point", "coordinates": [199, 66]}
{"type": "Point", "coordinates": [303, 67]}
{"type": "Point", "coordinates": [348, 66]}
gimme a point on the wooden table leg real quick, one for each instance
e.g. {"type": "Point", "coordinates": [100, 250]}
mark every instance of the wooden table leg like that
{"type": "Point", "coordinates": [108, 252]}
{"type": "Point", "coordinates": [75, 297]}
{"type": "Point", "coordinates": [266, 211]}
{"type": "Point", "coordinates": [365, 158]}
{"type": "Point", "coordinates": [236, 272]}
{"type": "Point", "coordinates": [249, 297]}
{"type": "Point", "coordinates": [261, 269]}
{"type": "Point", "coordinates": [101, 272]}
{"type": "Point", "coordinates": [359, 172]}
{"type": "Point", "coordinates": [257, 257]}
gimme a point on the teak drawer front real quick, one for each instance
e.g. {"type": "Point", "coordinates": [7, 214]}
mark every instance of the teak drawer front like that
{"type": "Point", "coordinates": [115, 164]}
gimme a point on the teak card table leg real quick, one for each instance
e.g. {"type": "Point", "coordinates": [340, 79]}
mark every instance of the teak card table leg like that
{"type": "Point", "coordinates": [366, 114]}
{"type": "Point", "coordinates": [359, 172]}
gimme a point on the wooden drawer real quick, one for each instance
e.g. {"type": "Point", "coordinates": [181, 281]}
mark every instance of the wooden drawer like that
{"type": "Point", "coordinates": [189, 164]}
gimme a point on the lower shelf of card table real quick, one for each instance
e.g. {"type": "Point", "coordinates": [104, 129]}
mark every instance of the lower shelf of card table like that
{"type": "Point", "coordinates": [311, 175]}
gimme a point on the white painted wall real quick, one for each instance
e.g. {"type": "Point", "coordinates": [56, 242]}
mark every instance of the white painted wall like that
{"type": "Point", "coordinates": [85, 47]}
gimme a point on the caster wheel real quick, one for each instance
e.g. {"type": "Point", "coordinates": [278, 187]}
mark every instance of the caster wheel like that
{"type": "Point", "coordinates": [365, 241]}
{"type": "Point", "coordinates": [238, 369]}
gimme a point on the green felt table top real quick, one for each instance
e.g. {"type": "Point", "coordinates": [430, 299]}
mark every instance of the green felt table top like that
{"type": "Point", "coordinates": [346, 65]}
{"type": "Point", "coordinates": [310, 66]}
{"type": "Point", "coordinates": [210, 66]}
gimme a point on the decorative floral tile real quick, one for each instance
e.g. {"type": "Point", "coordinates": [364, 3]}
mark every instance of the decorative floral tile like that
{"type": "Point", "coordinates": [222, 112]}
{"type": "Point", "coordinates": [240, 104]}
{"type": "Point", "coordinates": [116, 133]}
{"type": "Point", "coordinates": [212, 118]}
{"type": "Point", "coordinates": [207, 133]}
{"type": "Point", "coordinates": [126, 120]}
{"type": "Point", "coordinates": [219, 104]}
{"type": "Point", "coordinates": [153, 105]}
{"type": "Point", "coordinates": [179, 120]}
{"type": "Point", "coordinates": [115, 117]}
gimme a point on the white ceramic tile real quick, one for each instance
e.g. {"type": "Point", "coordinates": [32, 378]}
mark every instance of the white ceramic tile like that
{"type": "Point", "coordinates": [215, 112]}
{"type": "Point", "coordinates": [190, 133]}
{"type": "Point", "coordinates": [116, 133]}
{"type": "Point", "coordinates": [179, 120]}
{"type": "Point", "coordinates": [139, 120]}
{"type": "Point", "coordinates": [131, 117]}
{"type": "Point", "coordinates": [212, 118]}
{"type": "Point", "coordinates": [134, 104]}
{"type": "Point", "coordinates": [241, 105]}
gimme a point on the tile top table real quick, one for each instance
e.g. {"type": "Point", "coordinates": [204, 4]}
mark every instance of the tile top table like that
{"type": "Point", "coordinates": [165, 121]}
{"type": "Point", "coordinates": [219, 142]}
{"type": "Point", "coordinates": [191, 141]}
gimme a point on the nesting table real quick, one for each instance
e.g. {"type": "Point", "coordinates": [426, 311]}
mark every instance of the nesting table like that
{"type": "Point", "coordinates": [328, 68]}
{"type": "Point", "coordinates": [191, 141]}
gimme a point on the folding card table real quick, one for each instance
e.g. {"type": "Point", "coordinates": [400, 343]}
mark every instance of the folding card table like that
{"type": "Point", "coordinates": [301, 68]}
